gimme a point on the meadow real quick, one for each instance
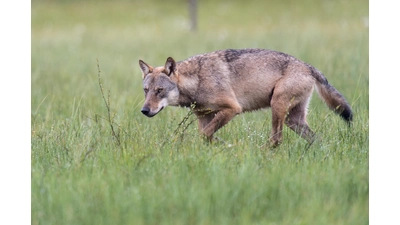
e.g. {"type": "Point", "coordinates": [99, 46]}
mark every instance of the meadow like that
{"type": "Point", "coordinates": [95, 159]}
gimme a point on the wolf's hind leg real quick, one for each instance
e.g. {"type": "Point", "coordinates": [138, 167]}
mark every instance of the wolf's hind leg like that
{"type": "Point", "coordinates": [296, 120]}
{"type": "Point", "coordinates": [278, 117]}
{"type": "Point", "coordinates": [288, 104]}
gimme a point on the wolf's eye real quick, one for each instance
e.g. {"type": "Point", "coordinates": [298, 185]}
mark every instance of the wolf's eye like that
{"type": "Point", "coordinates": [146, 90]}
{"type": "Point", "coordinates": [159, 90]}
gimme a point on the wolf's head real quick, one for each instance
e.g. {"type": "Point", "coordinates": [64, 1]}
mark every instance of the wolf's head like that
{"type": "Point", "coordinates": [159, 89]}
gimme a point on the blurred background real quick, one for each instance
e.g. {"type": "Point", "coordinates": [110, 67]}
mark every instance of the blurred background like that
{"type": "Point", "coordinates": [68, 37]}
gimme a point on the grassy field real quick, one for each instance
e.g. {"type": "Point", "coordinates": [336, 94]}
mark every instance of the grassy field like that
{"type": "Point", "coordinates": [136, 170]}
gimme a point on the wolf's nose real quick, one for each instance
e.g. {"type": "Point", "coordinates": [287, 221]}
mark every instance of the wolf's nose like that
{"type": "Point", "coordinates": [145, 111]}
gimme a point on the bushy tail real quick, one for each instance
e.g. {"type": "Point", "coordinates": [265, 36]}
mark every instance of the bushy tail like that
{"type": "Point", "coordinates": [332, 97]}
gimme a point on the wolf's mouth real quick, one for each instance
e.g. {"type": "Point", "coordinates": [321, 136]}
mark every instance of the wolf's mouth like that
{"type": "Point", "coordinates": [149, 114]}
{"type": "Point", "coordinates": [159, 110]}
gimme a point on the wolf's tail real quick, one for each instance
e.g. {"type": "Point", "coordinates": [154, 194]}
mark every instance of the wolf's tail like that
{"type": "Point", "coordinates": [332, 97]}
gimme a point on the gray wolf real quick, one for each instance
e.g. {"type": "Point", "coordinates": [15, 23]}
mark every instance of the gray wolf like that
{"type": "Point", "coordinates": [225, 83]}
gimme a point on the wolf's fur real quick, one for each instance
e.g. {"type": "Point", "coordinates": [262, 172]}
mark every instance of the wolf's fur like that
{"type": "Point", "coordinates": [225, 83]}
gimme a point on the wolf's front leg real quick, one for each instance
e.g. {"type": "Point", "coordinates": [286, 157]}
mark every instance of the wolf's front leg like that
{"type": "Point", "coordinates": [204, 120]}
{"type": "Point", "coordinates": [221, 118]}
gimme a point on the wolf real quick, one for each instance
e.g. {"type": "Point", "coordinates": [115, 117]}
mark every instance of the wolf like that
{"type": "Point", "coordinates": [225, 83]}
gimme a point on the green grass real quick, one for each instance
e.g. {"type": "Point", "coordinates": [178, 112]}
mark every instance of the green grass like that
{"type": "Point", "coordinates": [150, 174]}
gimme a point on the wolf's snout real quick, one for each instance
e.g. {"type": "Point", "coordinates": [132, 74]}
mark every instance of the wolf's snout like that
{"type": "Point", "coordinates": [146, 111]}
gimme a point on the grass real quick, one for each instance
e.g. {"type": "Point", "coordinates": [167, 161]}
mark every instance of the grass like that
{"type": "Point", "coordinates": [145, 173]}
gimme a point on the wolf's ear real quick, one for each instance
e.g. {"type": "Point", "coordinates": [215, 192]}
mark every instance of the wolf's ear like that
{"type": "Point", "coordinates": [170, 66]}
{"type": "Point", "coordinates": [146, 69]}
